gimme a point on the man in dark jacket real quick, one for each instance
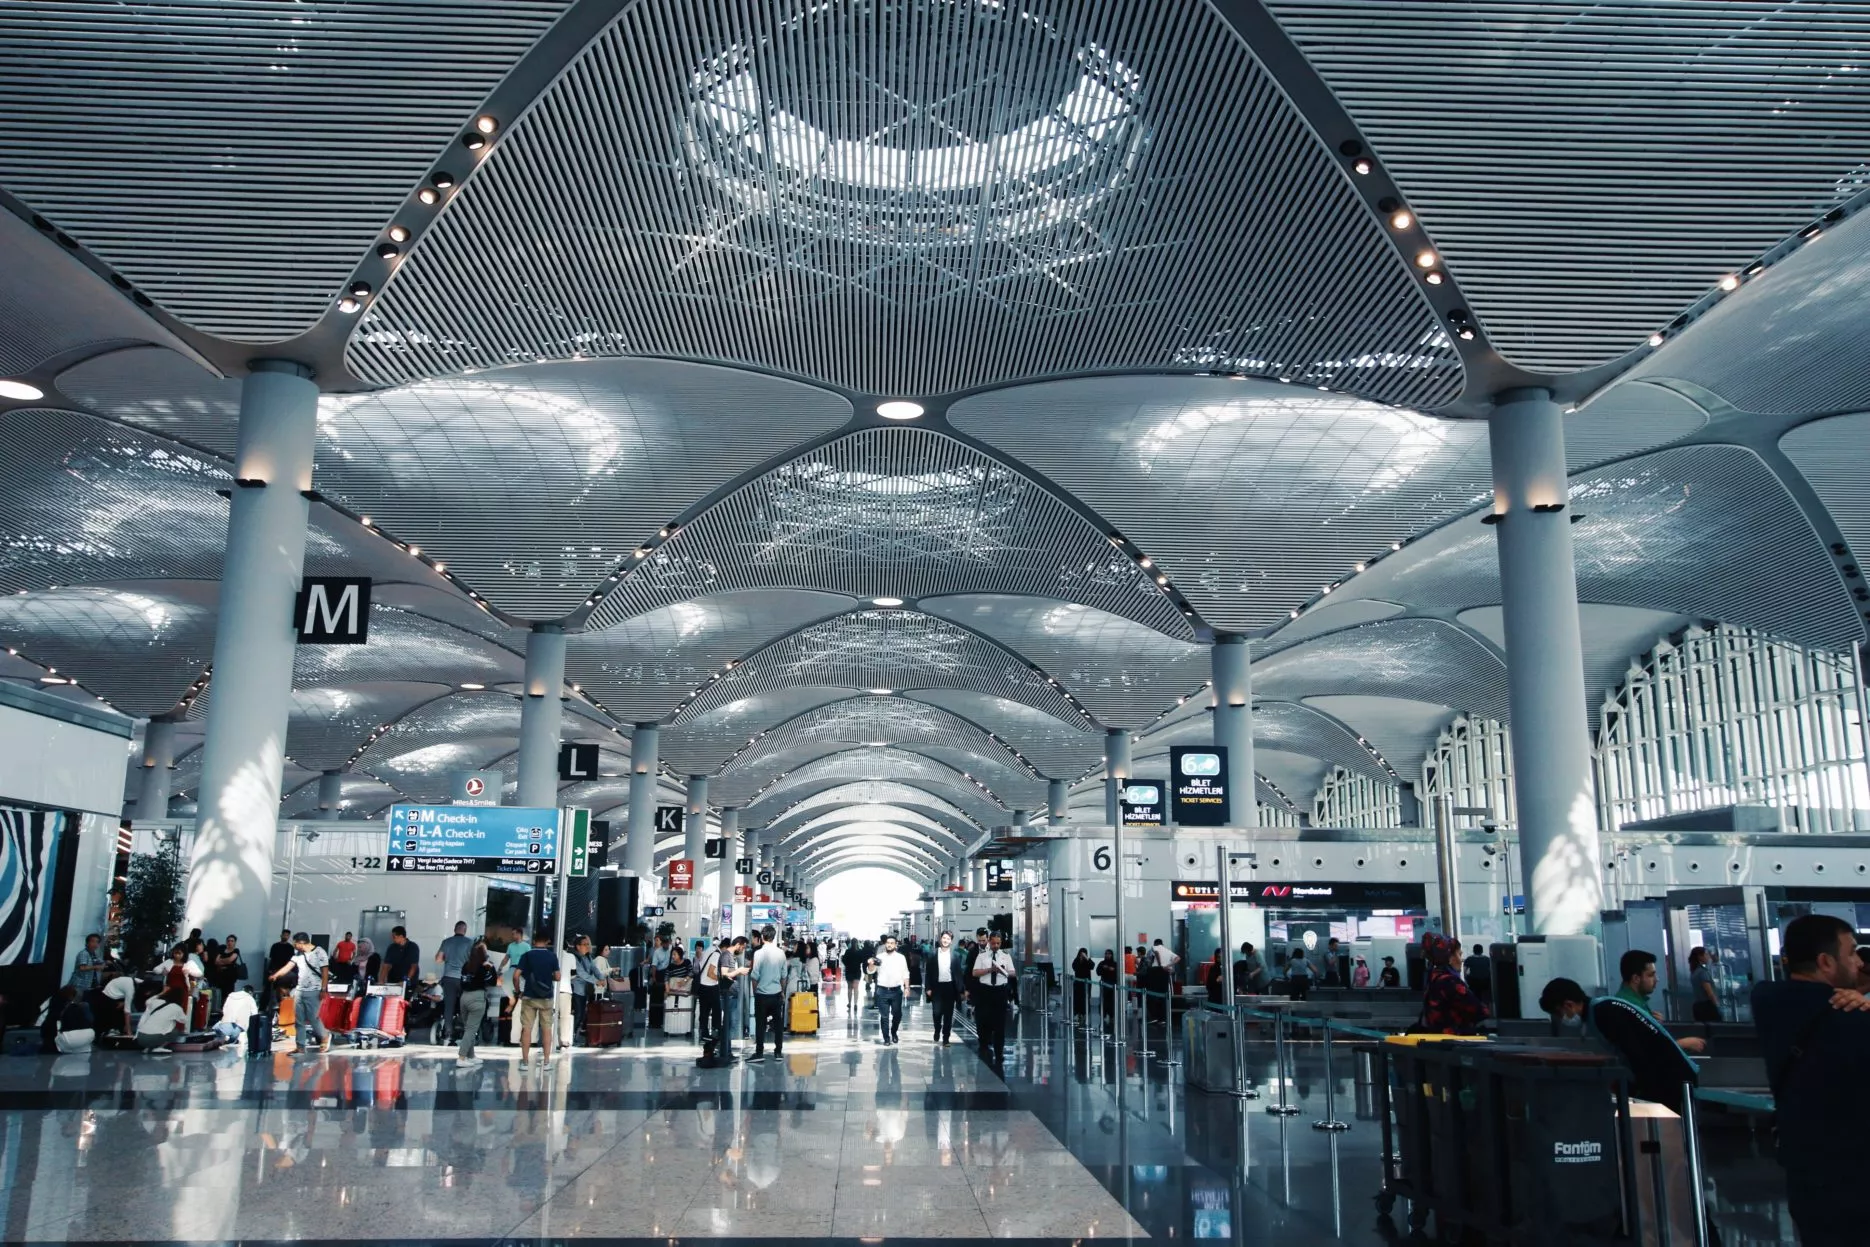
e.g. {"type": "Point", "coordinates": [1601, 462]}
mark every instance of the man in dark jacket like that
{"type": "Point", "coordinates": [1816, 1040]}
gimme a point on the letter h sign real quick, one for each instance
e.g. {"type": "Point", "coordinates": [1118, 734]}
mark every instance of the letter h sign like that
{"type": "Point", "coordinates": [333, 610]}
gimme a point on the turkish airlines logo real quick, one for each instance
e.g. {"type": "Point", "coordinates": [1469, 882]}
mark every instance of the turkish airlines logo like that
{"type": "Point", "coordinates": [1276, 889]}
{"type": "Point", "coordinates": [475, 786]}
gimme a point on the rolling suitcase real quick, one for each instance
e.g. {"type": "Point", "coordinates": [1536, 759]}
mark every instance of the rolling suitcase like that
{"type": "Point", "coordinates": [802, 1014]}
{"type": "Point", "coordinates": [198, 1012]}
{"type": "Point", "coordinates": [603, 1024]}
{"type": "Point", "coordinates": [370, 1016]}
{"type": "Point", "coordinates": [395, 1011]}
{"type": "Point", "coordinates": [678, 1015]}
{"type": "Point", "coordinates": [334, 1013]}
{"type": "Point", "coordinates": [260, 1034]}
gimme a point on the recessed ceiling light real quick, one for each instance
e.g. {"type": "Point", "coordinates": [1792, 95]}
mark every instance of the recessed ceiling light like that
{"type": "Point", "coordinates": [348, 305]}
{"type": "Point", "coordinates": [388, 251]}
{"type": "Point", "coordinates": [428, 194]}
{"type": "Point", "coordinates": [1402, 219]}
{"type": "Point", "coordinates": [486, 124]}
{"type": "Point", "coordinates": [21, 391]}
{"type": "Point", "coordinates": [399, 233]}
{"type": "Point", "coordinates": [899, 409]}
{"type": "Point", "coordinates": [1433, 279]}
{"type": "Point", "coordinates": [1425, 259]}
{"type": "Point", "coordinates": [1362, 167]}
{"type": "Point", "coordinates": [882, 692]}
{"type": "Point", "coordinates": [886, 601]}
{"type": "Point", "coordinates": [473, 686]}
{"type": "Point", "coordinates": [1655, 339]}
{"type": "Point", "coordinates": [1730, 282]}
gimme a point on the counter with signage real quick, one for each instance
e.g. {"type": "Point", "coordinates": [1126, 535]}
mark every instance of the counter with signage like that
{"type": "Point", "coordinates": [1278, 915]}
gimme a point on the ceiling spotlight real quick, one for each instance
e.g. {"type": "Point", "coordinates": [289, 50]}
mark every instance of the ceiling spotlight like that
{"type": "Point", "coordinates": [882, 692]}
{"type": "Point", "coordinates": [473, 687]}
{"type": "Point", "coordinates": [1730, 282]}
{"type": "Point", "coordinates": [1425, 259]}
{"type": "Point", "coordinates": [899, 409]}
{"type": "Point", "coordinates": [886, 602]}
{"type": "Point", "coordinates": [388, 251]}
{"type": "Point", "coordinates": [21, 391]}
{"type": "Point", "coordinates": [364, 520]}
{"type": "Point", "coordinates": [474, 142]}
{"type": "Point", "coordinates": [428, 195]}
{"type": "Point", "coordinates": [1655, 339]}
{"type": "Point", "coordinates": [1361, 168]}
{"type": "Point", "coordinates": [399, 233]}
{"type": "Point", "coordinates": [360, 290]}
{"type": "Point", "coordinates": [486, 124]}
{"type": "Point", "coordinates": [1466, 335]}
{"type": "Point", "coordinates": [1434, 277]}
{"type": "Point", "coordinates": [1402, 219]}
{"type": "Point", "coordinates": [349, 306]}
{"type": "Point", "coordinates": [1395, 545]}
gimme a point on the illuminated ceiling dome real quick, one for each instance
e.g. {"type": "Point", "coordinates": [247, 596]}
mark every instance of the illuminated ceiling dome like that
{"type": "Point", "coordinates": [938, 124]}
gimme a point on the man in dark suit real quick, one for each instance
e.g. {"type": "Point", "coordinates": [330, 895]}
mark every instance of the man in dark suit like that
{"type": "Point", "coordinates": [945, 978]}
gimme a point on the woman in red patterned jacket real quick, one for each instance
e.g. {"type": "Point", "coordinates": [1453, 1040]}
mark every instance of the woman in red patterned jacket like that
{"type": "Point", "coordinates": [1449, 1007]}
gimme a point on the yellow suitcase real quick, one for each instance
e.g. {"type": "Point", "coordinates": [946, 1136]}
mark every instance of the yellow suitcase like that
{"type": "Point", "coordinates": [802, 1014]}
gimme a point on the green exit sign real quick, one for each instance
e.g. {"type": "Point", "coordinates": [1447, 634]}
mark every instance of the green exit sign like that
{"type": "Point", "coordinates": [578, 863]}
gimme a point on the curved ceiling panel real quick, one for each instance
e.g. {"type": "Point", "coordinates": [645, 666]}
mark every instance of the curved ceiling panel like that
{"type": "Point", "coordinates": [84, 501]}
{"type": "Point", "coordinates": [1703, 530]}
{"type": "Point", "coordinates": [904, 512]}
{"type": "Point", "coordinates": [642, 668]}
{"type": "Point", "coordinates": [897, 650]}
{"type": "Point", "coordinates": [52, 305]}
{"type": "Point", "coordinates": [137, 646]}
{"type": "Point", "coordinates": [1252, 495]}
{"type": "Point", "coordinates": [861, 769]}
{"type": "Point", "coordinates": [465, 732]}
{"type": "Point", "coordinates": [1422, 659]}
{"type": "Point", "coordinates": [1790, 340]}
{"type": "Point", "coordinates": [330, 722]}
{"type": "Point", "coordinates": [407, 646]}
{"type": "Point", "coordinates": [1121, 672]}
{"type": "Point", "coordinates": [1403, 730]}
{"type": "Point", "coordinates": [951, 830]}
{"type": "Point", "coordinates": [288, 135]}
{"type": "Point", "coordinates": [1056, 749]}
{"type": "Point", "coordinates": [701, 745]}
{"type": "Point", "coordinates": [883, 726]}
{"type": "Point", "coordinates": [360, 797]}
{"type": "Point", "coordinates": [1830, 453]}
{"type": "Point", "coordinates": [1330, 615]}
{"type": "Point", "coordinates": [535, 483]}
{"type": "Point", "coordinates": [830, 796]}
{"type": "Point", "coordinates": [1624, 128]}
{"type": "Point", "coordinates": [162, 391]}
{"type": "Point", "coordinates": [786, 187]}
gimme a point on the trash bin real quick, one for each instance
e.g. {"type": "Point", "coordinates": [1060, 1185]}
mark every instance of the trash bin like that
{"type": "Point", "coordinates": [1209, 1037]}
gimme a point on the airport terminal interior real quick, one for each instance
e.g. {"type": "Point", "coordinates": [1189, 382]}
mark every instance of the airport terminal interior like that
{"type": "Point", "coordinates": [879, 620]}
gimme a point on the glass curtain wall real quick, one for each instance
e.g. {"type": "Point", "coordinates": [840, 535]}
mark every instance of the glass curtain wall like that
{"type": "Point", "coordinates": [1348, 799]}
{"type": "Point", "coordinates": [1728, 716]}
{"type": "Point", "coordinates": [1472, 762]}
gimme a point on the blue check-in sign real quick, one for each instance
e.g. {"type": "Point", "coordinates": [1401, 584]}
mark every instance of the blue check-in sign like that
{"type": "Point", "coordinates": [472, 839]}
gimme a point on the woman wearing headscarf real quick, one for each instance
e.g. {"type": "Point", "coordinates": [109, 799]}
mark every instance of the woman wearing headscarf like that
{"type": "Point", "coordinates": [1449, 1006]}
{"type": "Point", "coordinates": [368, 960]}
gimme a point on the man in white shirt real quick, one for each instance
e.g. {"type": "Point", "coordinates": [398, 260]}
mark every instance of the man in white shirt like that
{"type": "Point", "coordinates": [943, 976]}
{"type": "Point", "coordinates": [993, 980]}
{"type": "Point", "coordinates": [892, 978]}
{"type": "Point", "coordinates": [768, 975]}
{"type": "Point", "coordinates": [120, 997]}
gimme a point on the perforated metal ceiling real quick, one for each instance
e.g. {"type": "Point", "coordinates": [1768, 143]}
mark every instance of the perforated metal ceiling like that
{"type": "Point", "coordinates": [1057, 749]}
{"type": "Point", "coordinates": [822, 191]}
{"type": "Point", "coordinates": [1253, 496]}
{"type": "Point", "coordinates": [234, 158]}
{"type": "Point", "coordinates": [902, 512]}
{"type": "Point", "coordinates": [50, 305]}
{"type": "Point", "coordinates": [1702, 530]}
{"type": "Point", "coordinates": [1830, 453]}
{"type": "Point", "coordinates": [1588, 170]}
{"type": "Point", "coordinates": [1421, 659]}
{"type": "Point", "coordinates": [897, 650]}
{"type": "Point", "coordinates": [1119, 671]}
{"type": "Point", "coordinates": [898, 766]}
{"type": "Point", "coordinates": [137, 646]}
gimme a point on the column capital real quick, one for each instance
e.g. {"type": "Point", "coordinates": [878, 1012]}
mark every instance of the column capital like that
{"type": "Point", "coordinates": [287, 367]}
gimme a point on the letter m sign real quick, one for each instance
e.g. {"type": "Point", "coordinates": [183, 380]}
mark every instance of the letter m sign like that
{"type": "Point", "coordinates": [333, 610]}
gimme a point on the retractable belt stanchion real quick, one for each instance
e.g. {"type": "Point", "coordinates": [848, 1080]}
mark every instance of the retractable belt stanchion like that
{"type": "Point", "coordinates": [1281, 1109]}
{"type": "Point", "coordinates": [1330, 1121]}
{"type": "Point", "coordinates": [1142, 1019]}
{"type": "Point", "coordinates": [1168, 1028]}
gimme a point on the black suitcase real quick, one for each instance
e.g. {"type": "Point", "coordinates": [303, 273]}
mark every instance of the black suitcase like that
{"type": "Point", "coordinates": [260, 1033]}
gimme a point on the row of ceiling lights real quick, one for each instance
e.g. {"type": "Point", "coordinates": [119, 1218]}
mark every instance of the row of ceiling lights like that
{"type": "Point", "coordinates": [429, 195]}
{"type": "Point", "coordinates": [1728, 283]}
{"type": "Point", "coordinates": [1403, 222]}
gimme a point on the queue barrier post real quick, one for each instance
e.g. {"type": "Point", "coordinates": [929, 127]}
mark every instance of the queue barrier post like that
{"type": "Point", "coordinates": [1330, 1121]}
{"type": "Point", "coordinates": [1280, 1072]}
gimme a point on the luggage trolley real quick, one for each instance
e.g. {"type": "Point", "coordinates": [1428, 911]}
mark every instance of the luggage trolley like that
{"type": "Point", "coordinates": [380, 1016]}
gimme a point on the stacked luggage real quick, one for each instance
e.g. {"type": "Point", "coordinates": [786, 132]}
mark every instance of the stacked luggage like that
{"type": "Point", "coordinates": [380, 1017]}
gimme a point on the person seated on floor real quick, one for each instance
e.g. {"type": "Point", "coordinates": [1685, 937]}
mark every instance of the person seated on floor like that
{"type": "Point", "coordinates": [65, 1024]}
{"type": "Point", "coordinates": [164, 1022]}
{"type": "Point", "coordinates": [236, 1015]}
{"type": "Point", "coordinates": [119, 1003]}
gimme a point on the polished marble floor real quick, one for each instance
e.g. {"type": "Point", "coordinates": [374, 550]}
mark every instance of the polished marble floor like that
{"type": "Point", "coordinates": [843, 1140]}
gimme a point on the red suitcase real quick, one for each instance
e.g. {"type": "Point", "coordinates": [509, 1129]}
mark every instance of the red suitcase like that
{"type": "Point", "coordinates": [354, 1010]}
{"type": "Point", "coordinates": [390, 1024]}
{"type": "Point", "coordinates": [334, 1013]}
{"type": "Point", "coordinates": [198, 1015]}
